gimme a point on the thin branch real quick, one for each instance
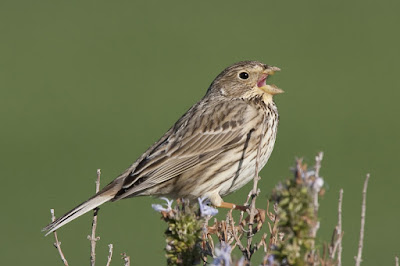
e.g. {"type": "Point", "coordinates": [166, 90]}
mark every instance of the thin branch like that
{"type": "Point", "coordinates": [127, 259]}
{"type": "Point", "coordinates": [274, 234]}
{"type": "Point", "coordinates": [253, 210]}
{"type": "Point", "coordinates": [339, 256]}
{"type": "Point", "coordinates": [110, 253]}
{"type": "Point", "coordinates": [263, 243]}
{"type": "Point", "coordinates": [318, 160]}
{"type": "Point", "coordinates": [92, 238]}
{"type": "Point", "coordinates": [235, 235]}
{"type": "Point", "coordinates": [57, 244]}
{"type": "Point", "coordinates": [363, 209]}
{"type": "Point", "coordinates": [336, 243]}
{"type": "Point", "coordinates": [245, 204]}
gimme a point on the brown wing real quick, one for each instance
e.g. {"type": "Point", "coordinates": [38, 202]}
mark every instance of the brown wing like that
{"type": "Point", "coordinates": [196, 138]}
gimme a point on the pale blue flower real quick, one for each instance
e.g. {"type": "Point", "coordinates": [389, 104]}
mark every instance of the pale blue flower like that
{"type": "Point", "coordinates": [160, 208]}
{"type": "Point", "coordinates": [206, 210]}
{"type": "Point", "coordinates": [270, 260]}
{"type": "Point", "coordinates": [223, 255]}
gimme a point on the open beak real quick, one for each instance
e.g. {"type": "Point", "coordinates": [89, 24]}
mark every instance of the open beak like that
{"type": "Point", "coordinates": [262, 82]}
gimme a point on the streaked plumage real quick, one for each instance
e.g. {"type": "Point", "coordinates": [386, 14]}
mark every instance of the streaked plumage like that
{"type": "Point", "coordinates": [210, 151]}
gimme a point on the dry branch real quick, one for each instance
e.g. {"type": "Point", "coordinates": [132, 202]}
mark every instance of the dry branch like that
{"type": "Point", "coordinates": [126, 259]}
{"type": "Point", "coordinates": [363, 209]}
{"type": "Point", "coordinates": [92, 238]}
{"type": "Point", "coordinates": [57, 244]}
{"type": "Point", "coordinates": [254, 193]}
{"type": "Point", "coordinates": [336, 242]}
{"type": "Point", "coordinates": [339, 255]}
{"type": "Point", "coordinates": [110, 253]}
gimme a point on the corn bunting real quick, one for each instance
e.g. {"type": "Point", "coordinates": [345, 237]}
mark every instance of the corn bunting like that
{"type": "Point", "coordinates": [211, 151]}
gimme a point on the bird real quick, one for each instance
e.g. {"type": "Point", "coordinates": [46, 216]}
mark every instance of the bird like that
{"type": "Point", "coordinates": [214, 149]}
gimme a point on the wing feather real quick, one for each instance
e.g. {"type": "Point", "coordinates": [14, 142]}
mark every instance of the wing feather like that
{"type": "Point", "coordinates": [183, 149]}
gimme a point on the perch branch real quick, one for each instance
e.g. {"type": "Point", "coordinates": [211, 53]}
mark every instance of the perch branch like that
{"type": "Point", "coordinates": [363, 209]}
{"type": "Point", "coordinates": [253, 210]}
{"type": "Point", "coordinates": [57, 244]}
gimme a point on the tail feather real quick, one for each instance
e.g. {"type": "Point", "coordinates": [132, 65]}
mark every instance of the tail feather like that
{"type": "Point", "coordinates": [81, 209]}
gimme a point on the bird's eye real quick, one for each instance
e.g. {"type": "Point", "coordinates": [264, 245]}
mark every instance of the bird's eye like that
{"type": "Point", "coordinates": [243, 75]}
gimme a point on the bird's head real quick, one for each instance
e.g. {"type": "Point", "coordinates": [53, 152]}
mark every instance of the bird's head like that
{"type": "Point", "coordinates": [246, 79]}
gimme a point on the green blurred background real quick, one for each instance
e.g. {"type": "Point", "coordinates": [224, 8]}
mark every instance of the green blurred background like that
{"type": "Point", "coordinates": [91, 84]}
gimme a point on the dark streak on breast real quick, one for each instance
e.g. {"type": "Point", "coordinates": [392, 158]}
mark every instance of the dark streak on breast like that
{"type": "Point", "coordinates": [246, 144]}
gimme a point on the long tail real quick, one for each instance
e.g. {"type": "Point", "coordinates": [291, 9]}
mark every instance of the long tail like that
{"type": "Point", "coordinates": [90, 204]}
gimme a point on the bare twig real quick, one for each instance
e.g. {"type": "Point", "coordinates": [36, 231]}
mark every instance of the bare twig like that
{"type": "Point", "coordinates": [110, 253]}
{"type": "Point", "coordinates": [339, 255]}
{"type": "Point", "coordinates": [93, 237]}
{"type": "Point", "coordinates": [127, 259]}
{"type": "Point", "coordinates": [336, 243]}
{"type": "Point", "coordinates": [235, 235]}
{"type": "Point", "coordinates": [57, 244]}
{"type": "Point", "coordinates": [253, 210]}
{"type": "Point", "coordinates": [363, 209]}
{"type": "Point", "coordinates": [318, 160]}
{"type": "Point", "coordinates": [211, 242]}
{"type": "Point", "coordinates": [274, 234]}
{"type": "Point", "coordinates": [317, 167]}
{"type": "Point", "coordinates": [245, 204]}
{"type": "Point", "coordinates": [263, 243]}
